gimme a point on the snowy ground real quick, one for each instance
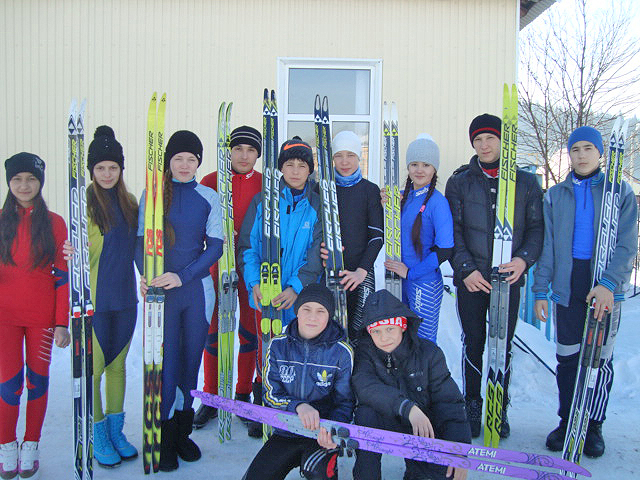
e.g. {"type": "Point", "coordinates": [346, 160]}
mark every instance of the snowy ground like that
{"type": "Point", "coordinates": [532, 414]}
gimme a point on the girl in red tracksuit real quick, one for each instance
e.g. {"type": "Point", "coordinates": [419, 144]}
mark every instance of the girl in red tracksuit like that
{"type": "Point", "coordinates": [34, 308]}
{"type": "Point", "coordinates": [246, 146]}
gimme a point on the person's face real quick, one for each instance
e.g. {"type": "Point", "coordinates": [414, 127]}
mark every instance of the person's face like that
{"type": "Point", "coordinates": [487, 146]}
{"type": "Point", "coordinates": [421, 174]}
{"type": "Point", "coordinates": [386, 337]}
{"type": "Point", "coordinates": [345, 162]}
{"type": "Point", "coordinates": [24, 186]}
{"type": "Point", "coordinates": [183, 166]}
{"type": "Point", "coordinates": [312, 319]}
{"type": "Point", "coordinates": [295, 172]}
{"type": "Point", "coordinates": [243, 158]}
{"type": "Point", "coordinates": [585, 157]}
{"type": "Point", "coordinates": [106, 174]}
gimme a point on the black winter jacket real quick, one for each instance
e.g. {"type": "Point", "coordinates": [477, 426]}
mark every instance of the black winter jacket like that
{"type": "Point", "coordinates": [472, 207]}
{"type": "Point", "coordinates": [415, 373]}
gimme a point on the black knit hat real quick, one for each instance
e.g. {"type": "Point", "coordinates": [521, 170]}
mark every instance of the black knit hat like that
{"type": "Point", "coordinates": [104, 147]}
{"type": "Point", "coordinates": [25, 162]}
{"type": "Point", "coordinates": [246, 135]}
{"type": "Point", "coordinates": [315, 292]}
{"type": "Point", "coordinates": [296, 148]}
{"type": "Point", "coordinates": [182, 141]}
{"type": "Point", "coordinates": [485, 123]}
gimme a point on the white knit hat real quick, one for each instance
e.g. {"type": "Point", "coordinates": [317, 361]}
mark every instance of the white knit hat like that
{"type": "Point", "coordinates": [347, 141]}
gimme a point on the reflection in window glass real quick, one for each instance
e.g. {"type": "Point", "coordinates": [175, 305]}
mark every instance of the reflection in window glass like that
{"type": "Point", "coordinates": [347, 90]}
{"type": "Point", "coordinates": [306, 131]}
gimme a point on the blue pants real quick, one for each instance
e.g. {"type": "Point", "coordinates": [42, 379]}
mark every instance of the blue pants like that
{"type": "Point", "coordinates": [425, 298]}
{"type": "Point", "coordinates": [187, 315]}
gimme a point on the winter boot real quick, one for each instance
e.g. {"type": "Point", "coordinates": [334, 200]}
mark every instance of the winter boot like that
{"type": "Point", "coordinates": [320, 464]}
{"type": "Point", "coordinates": [594, 442]}
{"type": "Point", "coordinates": [244, 397]}
{"type": "Point", "coordinates": [203, 415]}
{"type": "Point", "coordinates": [168, 453]}
{"type": "Point", "coordinates": [103, 450]}
{"type": "Point", "coordinates": [555, 440]}
{"type": "Point", "coordinates": [474, 415]}
{"type": "Point", "coordinates": [115, 422]}
{"type": "Point", "coordinates": [29, 463]}
{"type": "Point", "coordinates": [505, 429]}
{"type": "Point", "coordinates": [186, 448]}
{"type": "Point", "coordinates": [9, 460]}
{"type": "Point", "coordinates": [255, 428]}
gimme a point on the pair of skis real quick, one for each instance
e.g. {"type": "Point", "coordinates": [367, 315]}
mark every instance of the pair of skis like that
{"type": "Point", "coordinates": [153, 330]}
{"type": "Point", "coordinates": [442, 452]}
{"type": "Point", "coordinates": [270, 279]}
{"type": "Point", "coordinates": [393, 250]}
{"type": "Point", "coordinates": [594, 330]}
{"type": "Point", "coordinates": [81, 306]}
{"type": "Point", "coordinates": [502, 245]}
{"type": "Point", "coordinates": [227, 276]}
{"type": "Point", "coordinates": [330, 214]}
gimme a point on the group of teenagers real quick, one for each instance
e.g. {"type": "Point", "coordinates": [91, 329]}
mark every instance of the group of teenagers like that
{"type": "Point", "coordinates": [386, 371]}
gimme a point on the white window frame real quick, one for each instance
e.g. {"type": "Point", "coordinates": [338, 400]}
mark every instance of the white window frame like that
{"type": "Point", "coordinates": [375, 101]}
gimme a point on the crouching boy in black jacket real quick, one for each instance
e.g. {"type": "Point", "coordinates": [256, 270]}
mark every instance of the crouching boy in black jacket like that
{"type": "Point", "coordinates": [402, 384]}
{"type": "Point", "coordinates": [308, 371]}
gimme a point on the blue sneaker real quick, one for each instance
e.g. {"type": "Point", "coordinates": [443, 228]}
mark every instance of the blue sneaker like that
{"type": "Point", "coordinates": [115, 422]}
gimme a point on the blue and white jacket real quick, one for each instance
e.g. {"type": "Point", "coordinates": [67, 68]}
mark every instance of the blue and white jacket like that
{"type": "Point", "coordinates": [300, 237]}
{"type": "Point", "coordinates": [316, 371]}
{"type": "Point", "coordinates": [437, 231]}
{"type": "Point", "coordinates": [555, 262]}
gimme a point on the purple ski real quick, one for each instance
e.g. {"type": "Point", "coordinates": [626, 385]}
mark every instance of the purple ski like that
{"type": "Point", "coordinates": [442, 452]}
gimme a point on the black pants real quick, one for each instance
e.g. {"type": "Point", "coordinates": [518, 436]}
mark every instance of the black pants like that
{"type": "Point", "coordinates": [368, 464]}
{"type": "Point", "coordinates": [472, 311]}
{"type": "Point", "coordinates": [279, 456]}
{"type": "Point", "coordinates": [570, 322]}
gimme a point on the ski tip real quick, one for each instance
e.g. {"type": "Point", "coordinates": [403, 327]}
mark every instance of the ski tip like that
{"type": "Point", "coordinates": [266, 94]}
{"type": "Point", "coordinates": [154, 96]}
{"type": "Point", "coordinates": [273, 96]}
{"type": "Point", "coordinates": [316, 102]}
{"type": "Point", "coordinates": [164, 98]}
{"type": "Point", "coordinates": [325, 104]}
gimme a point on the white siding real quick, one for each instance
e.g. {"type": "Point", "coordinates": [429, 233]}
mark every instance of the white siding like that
{"type": "Point", "coordinates": [444, 61]}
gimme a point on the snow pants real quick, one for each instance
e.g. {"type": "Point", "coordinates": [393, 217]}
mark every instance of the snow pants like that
{"type": "Point", "coordinates": [248, 343]}
{"type": "Point", "coordinates": [36, 342]}
{"type": "Point", "coordinates": [112, 333]}
{"type": "Point", "coordinates": [187, 315]}
{"type": "Point", "coordinates": [570, 322]}
{"type": "Point", "coordinates": [425, 298]}
{"type": "Point", "coordinates": [472, 312]}
{"type": "Point", "coordinates": [368, 464]}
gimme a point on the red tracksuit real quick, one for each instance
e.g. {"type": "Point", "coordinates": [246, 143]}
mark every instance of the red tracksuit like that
{"type": "Point", "coordinates": [32, 303]}
{"type": "Point", "coordinates": [244, 186]}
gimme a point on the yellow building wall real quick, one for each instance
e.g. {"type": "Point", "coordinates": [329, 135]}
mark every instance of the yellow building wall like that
{"type": "Point", "coordinates": [444, 61]}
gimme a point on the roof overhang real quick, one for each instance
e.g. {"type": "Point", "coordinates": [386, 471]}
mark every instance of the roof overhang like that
{"type": "Point", "coordinates": [531, 9]}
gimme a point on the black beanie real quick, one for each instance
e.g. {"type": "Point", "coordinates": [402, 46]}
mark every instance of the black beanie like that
{"type": "Point", "coordinates": [315, 292]}
{"type": "Point", "coordinates": [485, 123]}
{"type": "Point", "coordinates": [296, 148]}
{"type": "Point", "coordinates": [104, 147]}
{"type": "Point", "coordinates": [25, 162]}
{"type": "Point", "coordinates": [246, 135]}
{"type": "Point", "coordinates": [182, 141]}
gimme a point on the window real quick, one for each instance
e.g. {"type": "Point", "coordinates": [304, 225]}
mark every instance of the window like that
{"type": "Point", "coordinates": [354, 89]}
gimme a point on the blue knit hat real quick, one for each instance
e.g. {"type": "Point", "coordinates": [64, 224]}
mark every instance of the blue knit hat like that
{"type": "Point", "coordinates": [587, 134]}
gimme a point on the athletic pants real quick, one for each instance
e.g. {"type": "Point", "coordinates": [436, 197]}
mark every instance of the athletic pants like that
{"type": "Point", "coordinates": [472, 312]}
{"type": "Point", "coordinates": [36, 342]}
{"type": "Point", "coordinates": [570, 323]}
{"type": "Point", "coordinates": [355, 304]}
{"type": "Point", "coordinates": [112, 333]}
{"type": "Point", "coordinates": [187, 313]}
{"type": "Point", "coordinates": [425, 298]}
{"type": "Point", "coordinates": [368, 464]}
{"type": "Point", "coordinates": [249, 320]}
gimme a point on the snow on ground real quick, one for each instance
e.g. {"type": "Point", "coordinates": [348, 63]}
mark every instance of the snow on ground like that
{"type": "Point", "coordinates": [532, 413]}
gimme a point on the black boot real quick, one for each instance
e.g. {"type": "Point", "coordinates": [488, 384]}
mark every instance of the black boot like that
{"type": "Point", "coordinates": [203, 415]}
{"type": "Point", "coordinates": [186, 448]}
{"type": "Point", "coordinates": [594, 442]}
{"type": "Point", "coordinates": [505, 429]}
{"type": "Point", "coordinates": [474, 415]}
{"type": "Point", "coordinates": [168, 454]}
{"type": "Point", "coordinates": [255, 428]}
{"type": "Point", "coordinates": [555, 440]}
{"type": "Point", "coordinates": [243, 397]}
